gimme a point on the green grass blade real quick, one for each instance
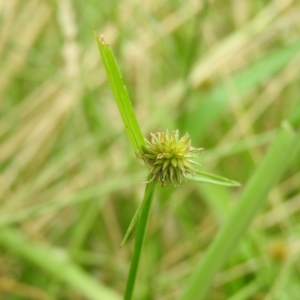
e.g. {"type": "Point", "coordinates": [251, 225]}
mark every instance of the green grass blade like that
{"type": "Point", "coordinates": [121, 96]}
{"type": "Point", "coordinates": [57, 264]}
{"type": "Point", "coordinates": [81, 196]}
{"type": "Point", "coordinates": [133, 221]}
{"type": "Point", "coordinates": [139, 240]}
{"type": "Point", "coordinates": [294, 115]}
{"type": "Point", "coordinates": [250, 202]}
{"type": "Point", "coordinates": [212, 179]}
{"type": "Point", "coordinates": [207, 111]}
{"type": "Point", "coordinates": [247, 292]}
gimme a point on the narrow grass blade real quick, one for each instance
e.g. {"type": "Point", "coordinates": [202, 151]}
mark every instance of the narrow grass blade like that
{"type": "Point", "coordinates": [139, 240]}
{"type": "Point", "coordinates": [210, 178]}
{"type": "Point", "coordinates": [81, 196]}
{"type": "Point", "coordinates": [55, 263]}
{"type": "Point", "coordinates": [250, 202]}
{"type": "Point", "coordinates": [207, 111]}
{"type": "Point", "coordinates": [133, 221]}
{"type": "Point", "coordinates": [121, 96]}
{"type": "Point", "coordinates": [247, 292]}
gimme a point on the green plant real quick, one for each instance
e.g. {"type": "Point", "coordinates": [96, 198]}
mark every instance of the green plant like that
{"type": "Point", "coordinates": [168, 156]}
{"type": "Point", "coordinates": [225, 72]}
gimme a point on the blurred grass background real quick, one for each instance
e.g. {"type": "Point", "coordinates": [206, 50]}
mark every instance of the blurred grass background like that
{"type": "Point", "coordinates": [225, 71]}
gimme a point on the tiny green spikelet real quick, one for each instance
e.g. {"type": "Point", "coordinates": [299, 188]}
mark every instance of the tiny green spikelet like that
{"type": "Point", "coordinates": [170, 157]}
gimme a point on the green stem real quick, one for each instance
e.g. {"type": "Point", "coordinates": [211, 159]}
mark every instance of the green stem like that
{"type": "Point", "coordinates": [140, 236]}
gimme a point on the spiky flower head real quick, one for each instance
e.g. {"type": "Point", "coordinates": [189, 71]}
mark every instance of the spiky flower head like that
{"type": "Point", "coordinates": [170, 157]}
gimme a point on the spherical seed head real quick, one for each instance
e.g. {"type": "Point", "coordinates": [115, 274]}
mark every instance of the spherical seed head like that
{"type": "Point", "coordinates": [170, 157]}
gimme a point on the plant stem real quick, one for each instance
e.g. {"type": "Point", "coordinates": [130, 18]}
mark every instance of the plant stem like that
{"type": "Point", "coordinates": [140, 236]}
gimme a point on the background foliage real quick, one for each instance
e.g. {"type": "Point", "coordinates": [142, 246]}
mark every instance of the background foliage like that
{"type": "Point", "coordinates": [227, 72]}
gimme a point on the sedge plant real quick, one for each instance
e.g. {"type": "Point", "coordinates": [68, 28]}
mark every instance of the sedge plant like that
{"type": "Point", "coordinates": [168, 155]}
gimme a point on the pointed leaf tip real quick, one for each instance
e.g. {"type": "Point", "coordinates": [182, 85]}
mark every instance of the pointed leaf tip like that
{"type": "Point", "coordinates": [212, 179]}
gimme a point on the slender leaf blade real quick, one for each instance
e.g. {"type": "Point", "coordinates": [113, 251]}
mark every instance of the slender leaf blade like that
{"type": "Point", "coordinates": [137, 215]}
{"type": "Point", "coordinates": [55, 263]}
{"type": "Point", "coordinates": [206, 111]}
{"type": "Point", "coordinates": [139, 240]}
{"type": "Point", "coordinates": [212, 179]}
{"type": "Point", "coordinates": [121, 96]}
{"type": "Point", "coordinates": [252, 199]}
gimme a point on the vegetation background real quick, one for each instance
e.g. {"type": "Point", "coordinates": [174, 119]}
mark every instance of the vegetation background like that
{"type": "Point", "coordinates": [225, 71]}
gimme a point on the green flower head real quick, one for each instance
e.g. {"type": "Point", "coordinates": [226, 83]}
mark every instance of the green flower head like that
{"type": "Point", "coordinates": [170, 157]}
